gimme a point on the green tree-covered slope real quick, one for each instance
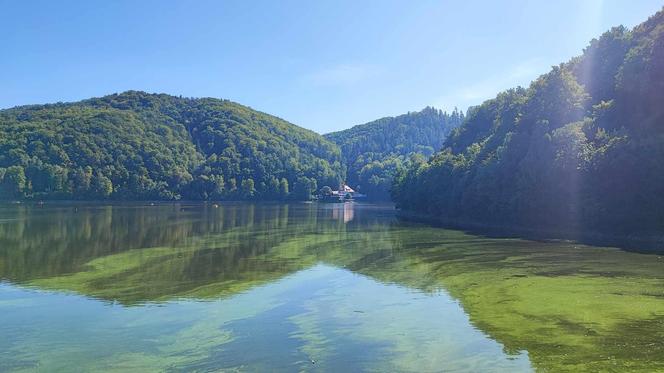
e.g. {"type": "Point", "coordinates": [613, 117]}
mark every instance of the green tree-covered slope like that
{"type": "Point", "coordinates": [582, 147]}
{"type": "Point", "coordinates": [136, 145]}
{"type": "Point", "coordinates": [374, 152]}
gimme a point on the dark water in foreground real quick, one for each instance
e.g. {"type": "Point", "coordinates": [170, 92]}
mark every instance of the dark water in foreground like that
{"type": "Point", "coordinates": [311, 287]}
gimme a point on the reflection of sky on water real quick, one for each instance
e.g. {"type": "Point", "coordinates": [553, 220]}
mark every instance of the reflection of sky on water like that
{"type": "Point", "coordinates": [319, 318]}
{"type": "Point", "coordinates": [347, 286]}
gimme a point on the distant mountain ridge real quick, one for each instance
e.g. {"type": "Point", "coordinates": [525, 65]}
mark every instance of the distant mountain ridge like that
{"type": "Point", "coordinates": [136, 145]}
{"type": "Point", "coordinates": [374, 152]}
{"type": "Point", "coordinates": [141, 146]}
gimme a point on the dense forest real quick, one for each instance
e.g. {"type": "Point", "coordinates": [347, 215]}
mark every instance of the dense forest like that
{"type": "Point", "coordinates": [140, 146]}
{"type": "Point", "coordinates": [581, 148]}
{"type": "Point", "coordinates": [376, 151]}
{"type": "Point", "coordinates": [136, 145]}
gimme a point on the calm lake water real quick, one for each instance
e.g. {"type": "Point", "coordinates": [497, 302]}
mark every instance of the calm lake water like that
{"type": "Point", "coordinates": [311, 287]}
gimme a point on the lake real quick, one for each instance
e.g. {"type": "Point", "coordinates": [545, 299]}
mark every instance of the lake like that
{"type": "Point", "coordinates": [311, 287]}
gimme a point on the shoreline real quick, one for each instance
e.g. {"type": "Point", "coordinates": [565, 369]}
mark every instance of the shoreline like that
{"type": "Point", "coordinates": [635, 243]}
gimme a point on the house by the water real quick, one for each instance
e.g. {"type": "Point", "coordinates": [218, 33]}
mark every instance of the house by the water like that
{"type": "Point", "coordinates": [343, 194]}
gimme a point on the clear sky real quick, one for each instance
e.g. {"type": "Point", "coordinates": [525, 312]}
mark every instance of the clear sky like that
{"type": "Point", "coordinates": [324, 65]}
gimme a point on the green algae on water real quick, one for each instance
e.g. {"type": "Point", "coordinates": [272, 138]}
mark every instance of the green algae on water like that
{"type": "Point", "coordinates": [255, 287]}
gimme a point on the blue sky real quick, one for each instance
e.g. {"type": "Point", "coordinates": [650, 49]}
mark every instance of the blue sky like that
{"type": "Point", "coordinates": [324, 65]}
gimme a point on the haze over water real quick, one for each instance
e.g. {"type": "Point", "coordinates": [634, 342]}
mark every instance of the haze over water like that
{"type": "Point", "coordinates": [311, 287]}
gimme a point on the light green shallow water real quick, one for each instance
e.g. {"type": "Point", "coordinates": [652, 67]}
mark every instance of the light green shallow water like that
{"type": "Point", "coordinates": [308, 287]}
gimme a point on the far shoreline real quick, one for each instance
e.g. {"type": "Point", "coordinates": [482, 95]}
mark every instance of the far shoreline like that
{"type": "Point", "coordinates": [645, 244]}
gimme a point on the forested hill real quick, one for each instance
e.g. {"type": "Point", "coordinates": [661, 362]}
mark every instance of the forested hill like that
{"type": "Point", "coordinates": [374, 152]}
{"type": "Point", "coordinates": [136, 145]}
{"type": "Point", "coordinates": [582, 147]}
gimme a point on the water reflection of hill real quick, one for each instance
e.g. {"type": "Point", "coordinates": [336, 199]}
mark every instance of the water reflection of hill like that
{"type": "Point", "coordinates": [134, 254]}
{"type": "Point", "coordinates": [572, 308]}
